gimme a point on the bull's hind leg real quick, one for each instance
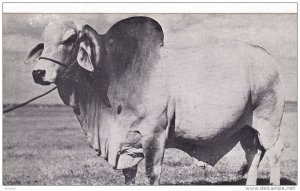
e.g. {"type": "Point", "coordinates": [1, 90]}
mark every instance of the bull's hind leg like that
{"type": "Point", "coordinates": [267, 96]}
{"type": "Point", "coordinates": [255, 142]}
{"type": "Point", "coordinates": [254, 153]}
{"type": "Point", "coordinates": [266, 120]}
{"type": "Point", "coordinates": [274, 161]}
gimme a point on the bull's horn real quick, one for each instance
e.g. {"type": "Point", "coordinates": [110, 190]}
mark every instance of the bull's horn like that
{"type": "Point", "coordinates": [95, 38]}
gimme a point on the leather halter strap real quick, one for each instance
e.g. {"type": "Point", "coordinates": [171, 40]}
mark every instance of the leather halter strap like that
{"type": "Point", "coordinates": [55, 61]}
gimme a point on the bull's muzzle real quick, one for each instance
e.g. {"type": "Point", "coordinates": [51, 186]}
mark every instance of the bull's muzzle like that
{"type": "Point", "coordinates": [38, 77]}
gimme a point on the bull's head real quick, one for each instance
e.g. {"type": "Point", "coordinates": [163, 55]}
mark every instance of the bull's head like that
{"type": "Point", "coordinates": [64, 44]}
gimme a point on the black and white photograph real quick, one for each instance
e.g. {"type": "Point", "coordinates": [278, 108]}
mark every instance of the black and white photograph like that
{"type": "Point", "coordinates": [176, 98]}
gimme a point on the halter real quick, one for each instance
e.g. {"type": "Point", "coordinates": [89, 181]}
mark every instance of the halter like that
{"type": "Point", "coordinates": [58, 62]}
{"type": "Point", "coordinates": [54, 61]}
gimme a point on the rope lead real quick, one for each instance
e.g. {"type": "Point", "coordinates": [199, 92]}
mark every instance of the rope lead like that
{"type": "Point", "coordinates": [27, 102]}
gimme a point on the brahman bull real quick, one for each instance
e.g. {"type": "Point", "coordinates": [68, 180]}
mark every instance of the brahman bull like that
{"type": "Point", "coordinates": [133, 97]}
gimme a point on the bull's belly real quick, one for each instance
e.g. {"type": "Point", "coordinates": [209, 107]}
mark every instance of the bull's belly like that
{"type": "Point", "coordinates": [204, 135]}
{"type": "Point", "coordinates": [209, 136]}
{"type": "Point", "coordinates": [211, 116]}
{"type": "Point", "coordinates": [208, 153]}
{"type": "Point", "coordinates": [209, 131]}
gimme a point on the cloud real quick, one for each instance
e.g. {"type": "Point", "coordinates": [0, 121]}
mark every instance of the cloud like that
{"type": "Point", "coordinates": [18, 42]}
{"type": "Point", "coordinates": [41, 19]}
{"type": "Point", "coordinates": [19, 24]}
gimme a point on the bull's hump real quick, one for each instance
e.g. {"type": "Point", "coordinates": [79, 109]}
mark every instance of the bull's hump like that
{"type": "Point", "coordinates": [137, 29]}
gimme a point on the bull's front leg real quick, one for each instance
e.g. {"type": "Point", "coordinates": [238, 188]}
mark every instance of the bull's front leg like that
{"type": "Point", "coordinates": [154, 146]}
{"type": "Point", "coordinates": [130, 174]}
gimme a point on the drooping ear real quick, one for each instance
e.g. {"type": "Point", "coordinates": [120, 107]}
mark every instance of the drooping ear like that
{"type": "Point", "coordinates": [84, 56]}
{"type": "Point", "coordinates": [34, 54]}
{"type": "Point", "coordinates": [89, 52]}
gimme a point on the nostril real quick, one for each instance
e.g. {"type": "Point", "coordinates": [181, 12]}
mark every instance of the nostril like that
{"type": "Point", "coordinates": [38, 73]}
{"type": "Point", "coordinates": [41, 73]}
{"type": "Point", "coordinates": [38, 77]}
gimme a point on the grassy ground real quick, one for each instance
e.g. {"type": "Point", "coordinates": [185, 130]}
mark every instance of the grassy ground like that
{"type": "Point", "coordinates": [45, 146]}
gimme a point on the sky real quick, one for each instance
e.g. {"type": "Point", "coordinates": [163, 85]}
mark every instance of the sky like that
{"type": "Point", "coordinates": [277, 33]}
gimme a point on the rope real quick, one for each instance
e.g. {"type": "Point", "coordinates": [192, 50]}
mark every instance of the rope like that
{"type": "Point", "coordinates": [37, 97]}
{"type": "Point", "coordinates": [27, 102]}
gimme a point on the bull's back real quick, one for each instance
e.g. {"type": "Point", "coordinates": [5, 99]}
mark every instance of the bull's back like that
{"type": "Point", "coordinates": [211, 89]}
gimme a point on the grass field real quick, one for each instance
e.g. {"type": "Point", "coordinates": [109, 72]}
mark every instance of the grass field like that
{"type": "Point", "coordinates": [46, 146]}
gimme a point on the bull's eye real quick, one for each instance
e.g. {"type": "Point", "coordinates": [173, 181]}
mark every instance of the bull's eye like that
{"type": "Point", "coordinates": [70, 41]}
{"type": "Point", "coordinates": [119, 110]}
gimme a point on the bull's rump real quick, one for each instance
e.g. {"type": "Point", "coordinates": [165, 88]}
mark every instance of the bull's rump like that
{"type": "Point", "coordinates": [211, 89]}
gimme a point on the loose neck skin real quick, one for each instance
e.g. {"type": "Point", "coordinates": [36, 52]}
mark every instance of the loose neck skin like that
{"type": "Point", "coordinates": [76, 90]}
{"type": "Point", "coordinates": [86, 93]}
{"type": "Point", "coordinates": [96, 97]}
{"type": "Point", "coordinates": [97, 119]}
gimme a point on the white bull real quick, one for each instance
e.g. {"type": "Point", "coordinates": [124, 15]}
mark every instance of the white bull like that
{"type": "Point", "coordinates": [134, 98]}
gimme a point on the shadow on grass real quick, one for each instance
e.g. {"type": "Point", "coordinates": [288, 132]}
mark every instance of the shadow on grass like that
{"type": "Point", "coordinates": [260, 181]}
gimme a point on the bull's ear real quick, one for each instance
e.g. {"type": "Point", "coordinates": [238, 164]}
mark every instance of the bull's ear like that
{"type": "Point", "coordinates": [84, 57]}
{"type": "Point", "coordinates": [34, 53]}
